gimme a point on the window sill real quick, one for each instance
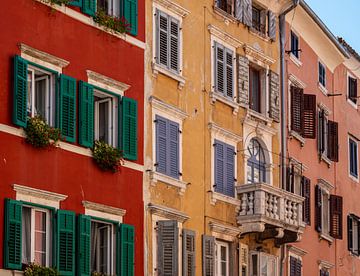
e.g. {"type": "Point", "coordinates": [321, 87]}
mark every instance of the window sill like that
{"type": "Point", "coordinates": [298, 137]}
{"type": "Point", "coordinates": [295, 60]}
{"type": "Point", "coordinates": [227, 17]}
{"type": "Point", "coordinates": [322, 89]}
{"type": "Point", "coordinates": [259, 116]}
{"type": "Point", "coordinates": [156, 177]}
{"type": "Point", "coordinates": [354, 105]}
{"type": "Point", "coordinates": [224, 198]}
{"type": "Point", "coordinates": [354, 178]}
{"type": "Point", "coordinates": [159, 69]}
{"type": "Point", "coordinates": [259, 34]}
{"type": "Point", "coordinates": [327, 237]}
{"type": "Point", "coordinates": [326, 159]}
{"type": "Point", "coordinates": [5, 272]}
{"type": "Point", "coordinates": [218, 97]}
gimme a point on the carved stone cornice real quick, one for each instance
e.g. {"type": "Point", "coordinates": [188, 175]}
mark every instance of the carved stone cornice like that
{"type": "Point", "coordinates": [224, 229]}
{"type": "Point", "coordinates": [216, 129]}
{"type": "Point", "coordinates": [167, 212]}
{"type": "Point", "coordinates": [224, 36]}
{"type": "Point", "coordinates": [296, 81]}
{"type": "Point", "coordinates": [258, 55]}
{"type": "Point", "coordinates": [167, 108]}
{"type": "Point", "coordinates": [104, 208]}
{"type": "Point", "coordinates": [297, 251]}
{"type": "Point", "coordinates": [109, 83]}
{"type": "Point", "coordinates": [173, 7]}
{"type": "Point", "coordinates": [39, 193]}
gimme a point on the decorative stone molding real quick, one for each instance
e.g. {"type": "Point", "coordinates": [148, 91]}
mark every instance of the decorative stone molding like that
{"type": "Point", "coordinates": [296, 81]}
{"type": "Point", "coordinates": [323, 89]}
{"type": "Point", "coordinates": [106, 82]}
{"type": "Point", "coordinates": [223, 198]}
{"type": "Point", "coordinates": [173, 7]}
{"type": "Point", "coordinates": [325, 185]}
{"type": "Point", "coordinates": [259, 123]}
{"type": "Point", "coordinates": [325, 264]}
{"type": "Point", "coordinates": [297, 136]}
{"type": "Point", "coordinates": [298, 166]}
{"type": "Point", "coordinates": [156, 68]}
{"type": "Point", "coordinates": [258, 55]}
{"type": "Point", "coordinates": [296, 250]}
{"type": "Point", "coordinates": [103, 208]}
{"type": "Point", "coordinates": [224, 229]}
{"type": "Point", "coordinates": [37, 193]}
{"type": "Point", "coordinates": [216, 129]}
{"type": "Point", "coordinates": [167, 108]}
{"type": "Point", "coordinates": [295, 60]}
{"type": "Point", "coordinates": [227, 38]}
{"type": "Point", "coordinates": [327, 110]}
{"type": "Point", "coordinates": [156, 177]}
{"type": "Point", "coordinates": [166, 212]}
{"type": "Point", "coordinates": [214, 96]}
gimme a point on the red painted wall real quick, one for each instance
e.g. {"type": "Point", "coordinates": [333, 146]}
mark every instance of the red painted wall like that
{"type": "Point", "coordinates": [57, 170]}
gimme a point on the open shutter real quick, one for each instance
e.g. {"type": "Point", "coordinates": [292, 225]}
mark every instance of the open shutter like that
{"type": "Point", "coordinates": [229, 80]}
{"type": "Point", "coordinates": [297, 109]}
{"type": "Point", "coordinates": [66, 242]}
{"type": "Point", "coordinates": [333, 151]}
{"type": "Point", "coordinates": [208, 255]}
{"type": "Point", "coordinates": [305, 187]}
{"type": "Point", "coordinates": [318, 203]}
{"type": "Point", "coordinates": [67, 108]}
{"type": "Point", "coordinates": [321, 134]}
{"type": "Point", "coordinates": [350, 233]}
{"type": "Point", "coordinates": [239, 10]}
{"type": "Point", "coordinates": [247, 12]}
{"type": "Point", "coordinates": [126, 261]}
{"type": "Point", "coordinates": [219, 68]}
{"type": "Point", "coordinates": [309, 116]}
{"type": "Point", "coordinates": [86, 114]}
{"type": "Point", "coordinates": [272, 25]}
{"type": "Point", "coordinates": [130, 9]}
{"type": "Point", "coordinates": [188, 241]}
{"type": "Point", "coordinates": [336, 216]}
{"type": "Point", "coordinates": [219, 166]}
{"type": "Point", "coordinates": [20, 92]}
{"type": "Point", "coordinates": [162, 38]}
{"type": "Point", "coordinates": [263, 14]}
{"type": "Point", "coordinates": [230, 171]}
{"type": "Point", "coordinates": [167, 245]}
{"type": "Point", "coordinates": [83, 245]}
{"type": "Point", "coordinates": [89, 7]}
{"type": "Point", "coordinates": [76, 3]}
{"type": "Point", "coordinates": [243, 79]}
{"type": "Point", "coordinates": [161, 144]}
{"type": "Point", "coordinates": [274, 108]}
{"type": "Point", "coordinates": [173, 146]}
{"type": "Point", "coordinates": [129, 114]}
{"type": "Point", "coordinates": [13, 234]}
{"type": "Point", "coordinates": [174, 44]}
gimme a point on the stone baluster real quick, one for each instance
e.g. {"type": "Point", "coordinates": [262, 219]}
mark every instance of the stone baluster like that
{"type": "Point", "coordinates": [271, 205]}
{"type": "Point", "coordinates": [276, 209]}
{"type": "Point", "coordinates": [267, 204]}
{"type": "Point", "coordinates": [244, 204]}
{"type": "Point", "coordinates": [250, 203]}
{"type": "Point", "coordinates": [294, 210]}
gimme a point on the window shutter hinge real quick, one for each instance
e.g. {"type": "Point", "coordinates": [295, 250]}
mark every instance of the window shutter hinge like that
{"type": "Point", "coordinates": [214, 144]}
{"type": "Point", "coordinates": [180, 173]}
{"type": "Point", "coordinates": [155, 121]}
{"type": "Point", "coordinates": [156, 164]}
{"type": "Point", "coordinates": [235, 179]}
{"type": "Point", "coordinates": [180, 131]}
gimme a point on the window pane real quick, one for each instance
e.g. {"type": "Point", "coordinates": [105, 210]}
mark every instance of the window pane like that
{"type": "Point", "coordinates": [40, 97]}
{"type": "Point", "coordinates": [254, 259]}
{"type": "Point", "coordinates": [40, 238]}
{"type": "Point", "coordinates": [255, 90]}
{"type": "Point", "coordinates": [101, 247]}
{"type": "Point", "coordinates": [104, 121]}
{"type": "Point", "coordinates": [26, 235]}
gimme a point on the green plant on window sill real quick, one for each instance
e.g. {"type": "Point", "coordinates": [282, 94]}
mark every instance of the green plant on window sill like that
{"type": "Point", "coordinates": [37, 270]}
{"type": "Point", "coordinates": [115, 24]}
{"type": "Point", "coordinates": [107, 157]}
{"type": "Point", "coordinates": [39, 134]}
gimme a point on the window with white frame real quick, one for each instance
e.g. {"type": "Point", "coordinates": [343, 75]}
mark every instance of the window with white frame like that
{"type": "Point", "coordinates": [352, 89]}
{"type": "Point", "coordinates": [256, 163]}
{"type": "Point", "coordinates": [222, 258]}
{"type": "Point", "coordinates": [36, 236]}
{"type": "Point", "coordinates": [257, 88]}
{"type": "Point", "coordinates": [110, 7]}
{"type": "Point", "coordinates": [295, 265]}
{"type": "Point", "coordinates": [262, 264]}
{"type": "Point", "coordinates": [294, 47]}
{"type": "Point", "coordinates": [322, 74]}
{"type": "Point", "coordinates": [225, 5]}
{"type": "Point", "coordinates": [259, 16]}
{"type": "Point", "coordinates": [353, 227]}
{"type": "Point", "coordinates": [41, 94]}
{"type": "Point", "coordinates": [353, 157]}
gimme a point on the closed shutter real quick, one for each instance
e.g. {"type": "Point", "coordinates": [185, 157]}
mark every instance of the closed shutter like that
{"type": "Point", "coordinates": [162, 38]}
{"type": "Point", "coordinates": [350, 233]}
{"type": "Point", "coordinates": [219, 167]}
{"type": "Point", "coordinates": [130, 9]}
{"type": "Point", "coordinates": [188, 241]}
{"type": "Point", "coordinates": [292, 266]}
{"type": "Point", "coordinates": [83, 245]}
{"type": "Point", "coordinates": [247, 15]}
{"type": "Point", "coordinates": [129, 114]}
{"type": "Point", "coordinates": [167, 246]}
{"type": "Point", "coordinates": [76, 3]}
{"type": "Point", "coordinates": [336, 216]}
{"type": "Point", "coordinates": [86, 114]}
{"type": "Point", "coordinates": [305, 187]}
{"type": "Point", "coordinates": [296, 109]}
{"type": "Point", "coordinates": [208, 255]}
{"type": "Point", "coordinates": [309, 116]}
{"type": "Point", "coordinates": [318, 203]}
{"type": "Point", "coordinates": [67, 108]}
{"type": "Point", "coordinates": [272, 25]}
{"type": "Point", "coordinates": [89, 7]}
{"type": "Point", "coordinates": [239, 10]}
{"type": "Point", "coordinates": [233, 259]}
{"type": "Point", "coordinates": [173, 149]}
{"type": "Point", "coordinates": [243, 79]}
{"type": "Point", "coordinates": [224, 168]}
{"type": "Point", "coordinates": [219, 68]}
{"type": "Point", "coordinates": [161, 144]}
{"type": "Point", "coordinates": [333, 151]}
{"type": "Point", "coordinates": [126, 250]}
{"type": "Point", "coordinates": [20, 92]}
{"type": "Point", "coordinates": [274, 108]}
{"type": "Point", "coordinates": [13, 234]}
{"type": "Point", "coordinates": [229, 80]}
{"type": "Point", "coordinates": [66, 242]}
{"type": "Point", "coordinates": [321, 134]}
{"type": "Point", "coordinates": [298, 267]}
{"type": "Point", "coordinates": [230, 171]}
{"type": "Point", "coordinates": [174, 44]}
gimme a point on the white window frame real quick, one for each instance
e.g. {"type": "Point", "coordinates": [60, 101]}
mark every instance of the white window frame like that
{"type": "Point", "coordinates": [294, 59]}
{"type": "Point", "coordinates": [322, 87]}
{"type": "Point", "coordinates": [259, 259]}
{"type": "Point", "coordinates": [325, 188]}
{"type": "Point", "coordinates": [264, 89]}
{"type": "Point", "coordinates": [354, 105]}
{"type": "Point", "coordinates": [292, 254]}
{"type": "Point", "coordinates": [353, 139]}
{"type": "Point", "coordinates": [217, 8]}
{"type": "Point", "coordinates": [323, 155]}
{"type": "Point", "coordinates": [113, 8]}
{"type": "Point", "coordinates": [218, 261]}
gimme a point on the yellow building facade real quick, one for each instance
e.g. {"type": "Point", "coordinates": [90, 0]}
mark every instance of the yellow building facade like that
{"type": "Point", "coordinates": [212, 193]}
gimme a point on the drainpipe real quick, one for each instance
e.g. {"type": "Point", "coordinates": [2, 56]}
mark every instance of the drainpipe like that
{"type": "Point", "coordinates": [283, 109]}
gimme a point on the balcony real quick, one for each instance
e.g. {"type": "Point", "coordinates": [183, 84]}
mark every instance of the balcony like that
{"type": "Point", "coordinates": [271, 211]}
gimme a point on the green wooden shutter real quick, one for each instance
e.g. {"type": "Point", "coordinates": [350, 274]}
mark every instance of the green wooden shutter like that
{"type": "Point", "coordinates": [20, 92]}
{"type": "Point", "coordinates": [67, 108]}
{"type": "Point", "coordinates": [66, 242]}
{"type": "Point", "coordinates": [76, 3]}
{"type": "Point", "coordinates": [89, 7]}
{"type": "Point", "coordinates": [129, 128]}
{"type": "Point", "coordinates": [126, 250]}
{"type": "Point", "coordinates": [130, 9]}
{"type": "Point", "coordinates": [86, 114]}
{"type": "Point", "coordinates": [13, 234]}
{"type": "Point", "coordinates": [83, 245]}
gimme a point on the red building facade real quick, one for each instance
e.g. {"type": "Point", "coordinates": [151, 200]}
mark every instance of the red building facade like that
{"type": "Point", "coordinates": [58, 208]}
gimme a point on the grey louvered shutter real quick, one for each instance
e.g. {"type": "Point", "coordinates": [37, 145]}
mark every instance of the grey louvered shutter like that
{"type": "Point", "coordinates": [272, 25]}
{"type": "Point", "coordinates": [243, 79]}
{"type": "Point", "coordinates": [188, 252]}
{"type": "Point", "coordinates": [161, 144]}
{"type": "Point", "coordinates": [162, 38]}
{"type": "Point", "coordinates": [247, 12]}
{"type": "Point", "coordinates": [230, 171]}
{"type": "Point", "coordinates": [350, 233]}
{"type": "Point", "coordinates": [219, 166]}
{"type": "Point", "coordinates": [167, 248]}
{"type": "Point", "coordinates": [173, 149]}
{"type": "Point", "coordinates": [219, 68]}
{"type": "Point", "coordinates": [274, 108]}
{"type": "Point", "coordinates": [292, 266]}
{"type": "Point", "coordinates": [263, 14]}
{"type": "Point", "coordinates": [239, 10]}
{"type": "Point", "coordinates": [174, 44]}
{"type": "Point", "coordinates": [208, 255]}
{"type": "Point", "coordinates": [229, 80]}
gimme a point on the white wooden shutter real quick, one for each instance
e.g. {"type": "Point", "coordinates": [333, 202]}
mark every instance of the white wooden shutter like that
{"type": "Point", "coordinates": [219, 68]}
{"type": "Point", "coordinates": [229, 80]}
{"type": "Point", "coordinates": [174, 44]}
{"type": "Point", "coordinates": [162, 38]}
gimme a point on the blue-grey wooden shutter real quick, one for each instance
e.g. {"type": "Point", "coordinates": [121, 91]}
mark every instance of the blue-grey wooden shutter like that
{"type": "Point", "coordinates": [243, 79]}
{"type": "Point", "coordinates": [239, 10]}
{"type": "Point", "coordinates": [83, 245]}
{"type": "Point", "coordinates": [173, 149]}
{"type": "Point", "coordinates": [219, 68]}
{"type": "Point", "coordinates": [229, 80]}
{"type": "Point", "coordinates": [274, 87]}
{"type": "Point", "coordinates": [161, 144]}
{"type": "Point", "coordinates": [230, 171]}
{"type": "Point", "coordinates": [188, 241]}
{"type": "Point", "coordinates": [272, 25]}
{"type": "Point", "coordinates": [247, 12]}
{"type": "Point", "coordinates": [174, 44]}
{"type": "Point", "coordinates": [167, 247]}
{"type": "Point", "coordinates": [162, 56]}
{"type": "Point", "coordinates": [208, 255]}
{"type": "Point", "coordinates": [219, 166]}
{"type": "Point", "coordinates": [86, 114]}
{"type": "Point", "coordinates": [350, 233]}
{"type": "Point", "coordinates": [20, 92]}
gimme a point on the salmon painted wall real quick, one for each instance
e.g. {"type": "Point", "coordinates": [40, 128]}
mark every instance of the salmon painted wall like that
{"type": "Point", "coordinates": [58, 170]}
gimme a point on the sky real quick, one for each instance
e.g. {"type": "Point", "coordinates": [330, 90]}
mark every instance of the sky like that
{"type": "Point", "coordinates": [341, 17]}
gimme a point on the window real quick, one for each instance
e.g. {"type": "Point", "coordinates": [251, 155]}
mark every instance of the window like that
{"type": "Point", "coordinates": [259, 19]}
{"type": "Point", "coordinates": [295, 45]}
{"type": "Point", "coordinates": [353, 225]}
{"type": "Point", "coordinates": [224, 168]}
{"type": "Point", "coordinates": [224, 70]}
{"type": "Point", "coordinates": [322, 74]}
{"type": "Point", "coordinates": [353, 158]}
{"type": "Point", "coordinates": [352, 89]}
{"type": "Point", "coordinates": [327, 137]}
{"type": "Point", "coordinates": [256, 164]}
{"type": "Point", "coordinates": [225, 5]}
{"type": "Point", "coordinates": [262, 264]}
{"type": "Point", "coordinates": [324, 272]}
{"type": "Point", "coordinates": [222, 258]}
{"type": "Point", "coordinates": [167, 147]}
{"type": "Point", "coordinates": [168, 42]}
{"type": "Point", "coordinates": [295, 266]}
{"type": "Point", "coordinates": [255, 90]}
{"type": "Point", "coordinates": [111, 7]}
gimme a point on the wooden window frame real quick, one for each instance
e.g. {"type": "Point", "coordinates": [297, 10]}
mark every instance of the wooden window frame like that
{"type": "Point", "coordinates": [219, 244]}
{"type": "Point", "coordinates": [259, 260]}
{"type": "Point", "coordinates": [252, 69]}
{"type": "Point", "coordinates": [223, 5]}
{"type": "Point", "coordinates": [256, 22]}
{"type": "Point", "coordinates": [352, 174]}
{"type": "Point", "coordinates": [293, 52]}
{"type": "Point", "coordinates": [322, 74]}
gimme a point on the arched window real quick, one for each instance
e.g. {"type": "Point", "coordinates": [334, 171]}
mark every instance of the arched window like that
{"type": "Point", "coordinates": [256, 164]}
